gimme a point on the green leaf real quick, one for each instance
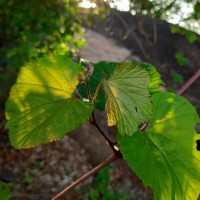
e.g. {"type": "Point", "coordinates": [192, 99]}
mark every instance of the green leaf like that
{"type": "Point", "coordinates": [107, 69]}
{"type": "Point", "coordinates": [181, 60]}
{"type": "Point", "coordinates": [178, 78]}
{"type": "Point", "coordinates": [164, 156]}
{"type": "Point", "coordinates": [155, 78]}
{"type": "Point", "coordinates": [191, 37]}
{"type": "Point", "coordinates": [42, 107]}
{"type": "Point", "coordinates": [4, 191]}
{"type": "Point", "coordinates": [128, 99]}
{"type": "Point", "coordinates": [101, 68]}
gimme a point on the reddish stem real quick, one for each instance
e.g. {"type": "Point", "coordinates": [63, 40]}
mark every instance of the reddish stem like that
{"type": "Point", "coordinates": [109, 160]}
{"type": "Point", "coordinates": [189, 82]}
{"type": "Point", "coordinates": [88, 90]}
{"type": "Point", "coordinates": [94, 122]}
{"type": "Point", "coordinates": [143, 128]}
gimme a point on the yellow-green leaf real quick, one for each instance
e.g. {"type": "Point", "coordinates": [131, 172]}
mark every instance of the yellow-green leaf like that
{"type": "Point", "coordinates": [165, 155]}
{"type": "Point", "coordinates": [42, 107]}
{"type": "Point", "coordinates": [128, 99]}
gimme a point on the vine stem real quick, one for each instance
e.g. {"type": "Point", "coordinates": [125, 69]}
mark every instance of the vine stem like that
{"type": "Point", "coordinates": [88, 90]}
{"type": "Point", "coordinates": [189, 83]}
{"type": "Point", "coordinates": [109, 160]}
{"type": "Point", "coordinates": [111, 144]}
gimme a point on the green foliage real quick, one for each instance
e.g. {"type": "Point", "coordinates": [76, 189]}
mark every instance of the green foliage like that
{"type": "Point", "coordinates": [169, 89]}
{"type": "Point", "coordinates": [177, 78]}
{"type": "Point", "coordinates": [181, 60]}
{"type": "Point", "coordinates": [28, 178]}
{"type": "Point", "coordinates": [4, 191]}
{"type": "Point", "coordinates": [106, 69]}
{"type": "Point", "coordinates": [48, 100]}
{"type": "Point", "coordinates": [42, 102]}
{"type": "Point", "coordinates": [196, 13]}
{"type": "Point", "coordinates": [31, 28]}
{"type": "Point", "coordinates": [128, 99]}
{"type": "Point", "coordinates": [190, 36]}
{"type": "Point", "coordinates": [101, 191]}
{"type": "Point", "coordinates": [165, 155]}
{"type": "Point", "coordinates": [173, 11]}
{"type": "Point", "coordinates": [155, 78]}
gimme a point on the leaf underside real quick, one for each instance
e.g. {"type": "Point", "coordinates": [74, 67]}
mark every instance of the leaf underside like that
{"type": "Point", "coordinates": [41, 107]}
{"type": "Point", "coordinates": [165, 155]}
{"type": "Point", "coordinates": [128, 98]}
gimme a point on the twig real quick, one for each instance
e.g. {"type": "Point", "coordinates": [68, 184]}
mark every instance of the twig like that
{"type": "Point", "coordinates": [111, 144]}
{"type": "Point", "coordinates": [189, 83]}
{"type": "Point", "coordinates": [88, 90]}
{"type": "Point", "coordinates": [133, 35]}
{"type": "Point", "coordinates": [109, 160]}
{"type": "Point", "coordinates": [155, 36]}
{"type": "Point", "coordinates": [167, 8]}
{"type": "Point", "coordinates": [143, 128]}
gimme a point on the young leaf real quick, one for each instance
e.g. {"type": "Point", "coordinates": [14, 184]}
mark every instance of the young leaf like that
{"type": "Point", "coordinates": [42, 107]}
{"type": "Point", "coordinates": [165, 155]}
{"type": "Point", "coordinates": [128, 99]}
{"type": "Point", "coordinates": [155, 78]}
{"type": "Point", "coordinates": [101, 68]}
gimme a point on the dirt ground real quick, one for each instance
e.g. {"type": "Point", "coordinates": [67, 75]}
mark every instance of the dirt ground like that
{"type": "Point", "coordinates": [42, 172]}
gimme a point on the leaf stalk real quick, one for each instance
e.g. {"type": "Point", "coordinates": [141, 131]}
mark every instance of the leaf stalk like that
{"type": "Point", "coordinates": [111, 144]}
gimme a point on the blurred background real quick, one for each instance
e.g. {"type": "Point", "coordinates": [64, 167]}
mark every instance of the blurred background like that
{"type": "Point", "coordinates": [164, 33]}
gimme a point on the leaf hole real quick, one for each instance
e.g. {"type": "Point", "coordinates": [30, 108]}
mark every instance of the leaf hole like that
{"type": "Point", "coordinates": [136, 109]}
{"type": "Point", "coordinates": [198, 145]}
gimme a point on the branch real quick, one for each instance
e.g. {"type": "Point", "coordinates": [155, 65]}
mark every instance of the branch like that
{"type": "Point", "coordinates": [109, 160]}
{"type": "Point", "coordinates": [189, 83]}
{"type": "Point", "coordinates": [88, 90]}
{"type": "Point", "coordinates": [111, 144]}
{"type": "Point", "coordinates": [133, 35]}
{"type": "Point", "coordinates": [167, 8]}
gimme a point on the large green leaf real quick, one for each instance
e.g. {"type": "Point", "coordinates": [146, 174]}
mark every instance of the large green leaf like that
{"type": "Point", "coordinates": [42, 106]}
{"type": "Point", "coordinates": [165, 155]}
{"type": "Point", "coordinates": [155, 78]}
{"type": "Point", "coordinates": [128, 98]}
